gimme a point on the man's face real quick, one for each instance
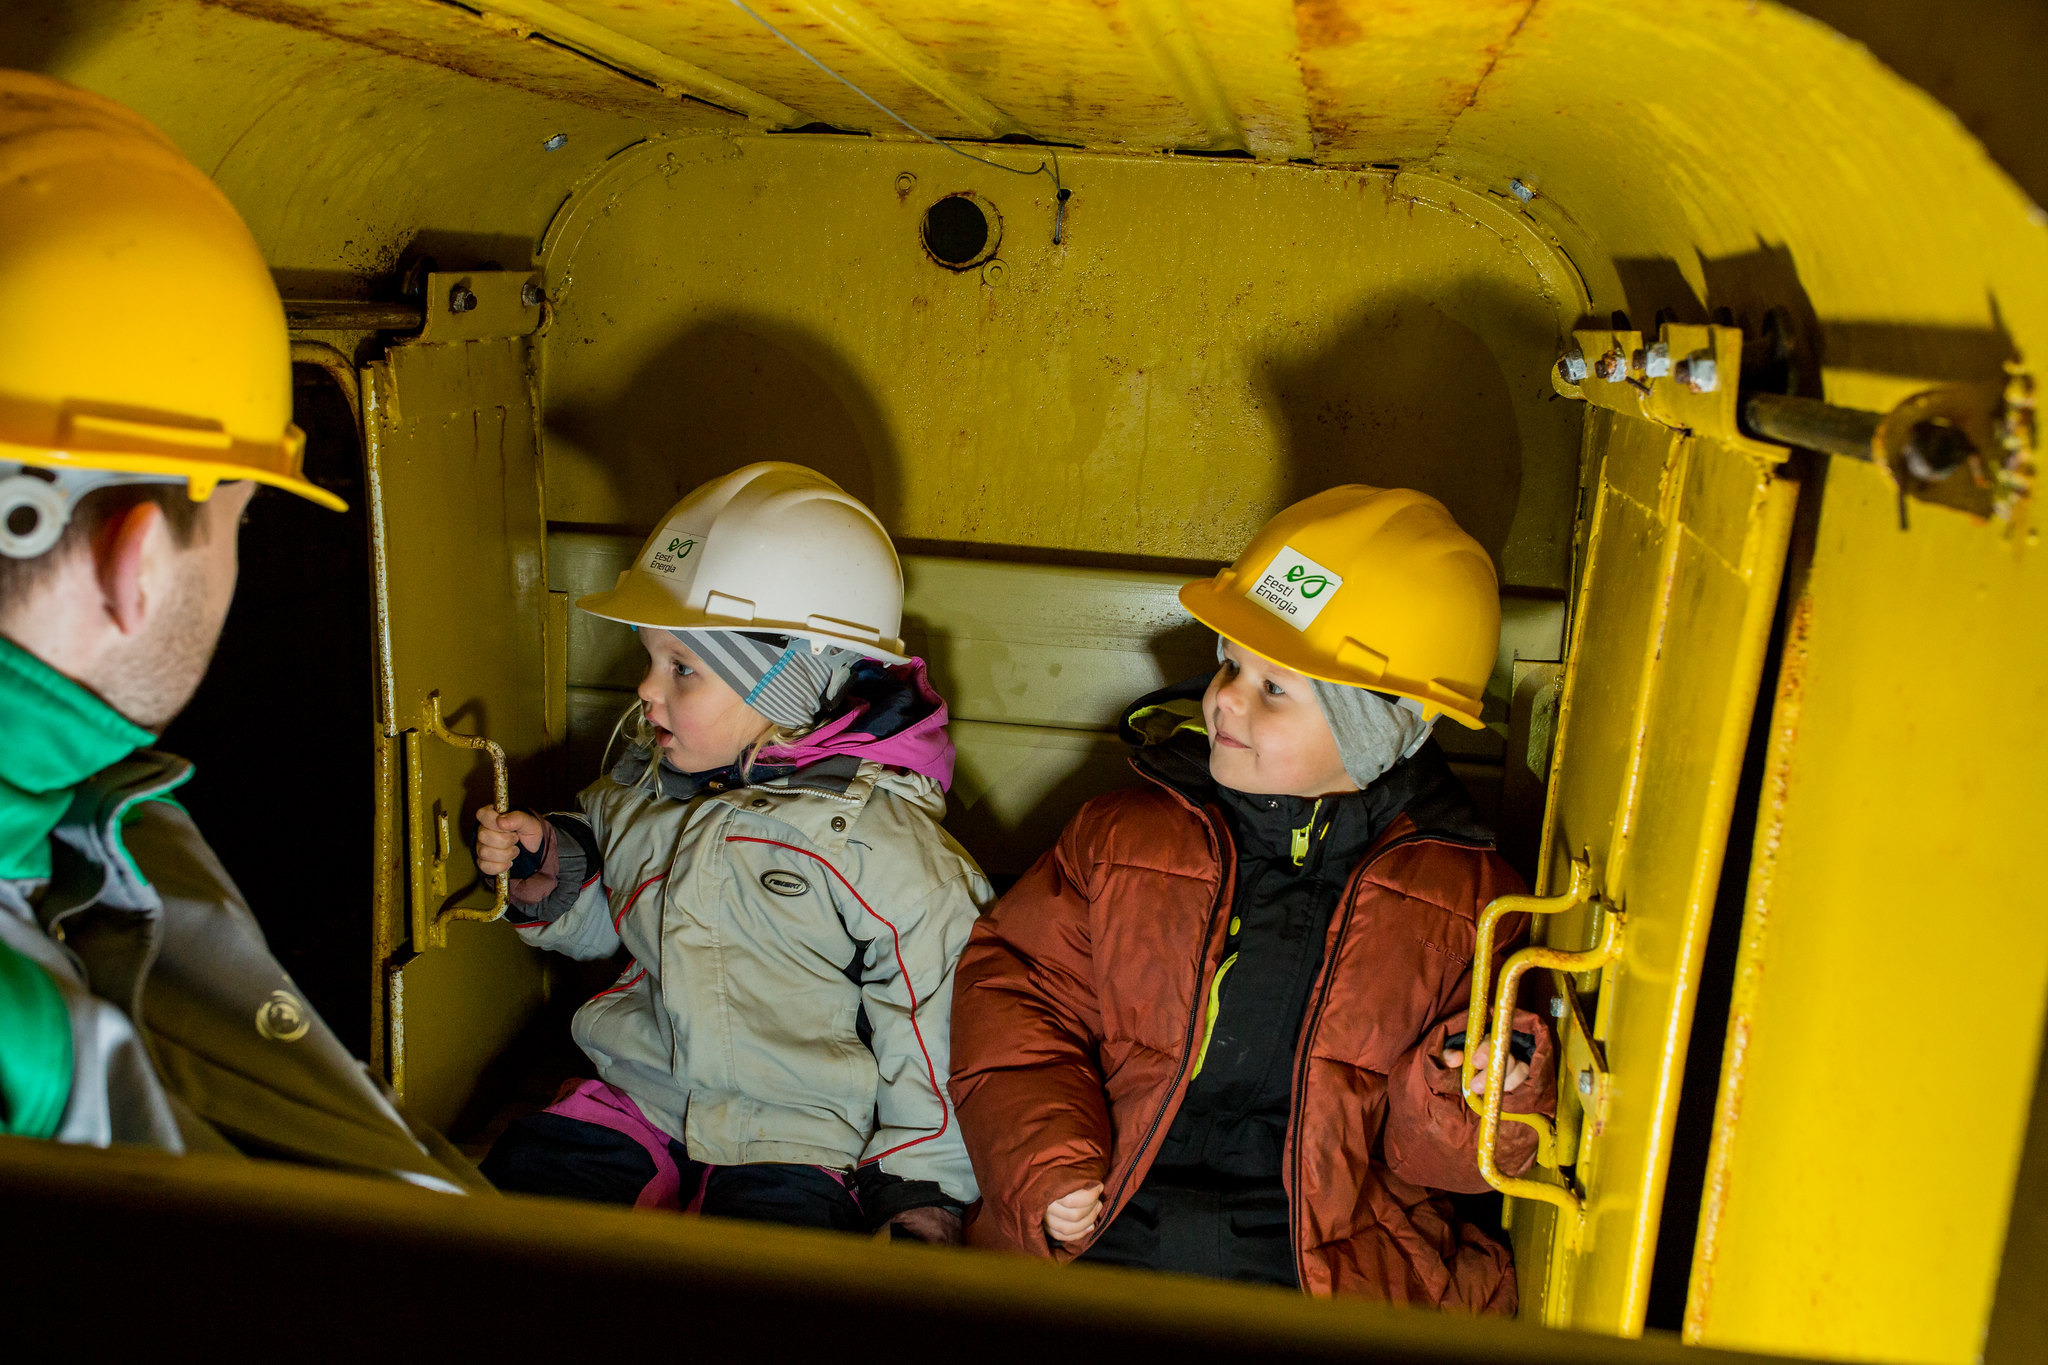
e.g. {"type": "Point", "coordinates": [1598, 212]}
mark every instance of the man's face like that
{"type": "Point", "coordinates": [187, 589]}
{"type": "Point", "coordinates": [1267, 731]}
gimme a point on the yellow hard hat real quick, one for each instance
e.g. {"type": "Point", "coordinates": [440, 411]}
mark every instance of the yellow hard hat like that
{"type": "Point", "coordinates": [144, 340]}
{"type": "Point", "coordinates": [1371, 587]}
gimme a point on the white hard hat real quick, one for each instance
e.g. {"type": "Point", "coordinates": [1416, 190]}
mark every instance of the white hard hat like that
{"type": "Point", "coordinates": [774, 548]}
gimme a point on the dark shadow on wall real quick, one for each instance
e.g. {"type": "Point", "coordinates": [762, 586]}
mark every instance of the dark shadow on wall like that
{"type": "Point", "coordinates": [725, 392]}
{"type": "Point", "coordinates": [38, 35]}
{"type": "Point", "coordinates": [1409, 397]}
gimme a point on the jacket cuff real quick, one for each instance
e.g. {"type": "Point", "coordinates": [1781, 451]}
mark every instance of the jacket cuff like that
{"type": "Point", "coordinates": [883, 1196]}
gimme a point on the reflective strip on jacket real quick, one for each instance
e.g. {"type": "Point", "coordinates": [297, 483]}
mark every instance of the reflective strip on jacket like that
{"type": "Point", "coordinates": [1079, 1008]}
{"type": "Point", "coordinates": [749, 914]}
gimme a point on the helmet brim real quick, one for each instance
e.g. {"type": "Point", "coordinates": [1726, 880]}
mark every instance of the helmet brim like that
{"type": "Point", "coordinates": [637, 603]}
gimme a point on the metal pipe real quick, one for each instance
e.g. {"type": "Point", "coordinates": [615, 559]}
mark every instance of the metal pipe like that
{"type": "Point", "coordinates": [352, 315]}
{"type": "Point", "coordinates": [1811, 424]}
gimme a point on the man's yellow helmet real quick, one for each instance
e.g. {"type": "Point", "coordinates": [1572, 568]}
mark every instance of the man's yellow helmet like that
{"type": "Point", "coordinates": [145, 341]}
{"type": "Point", "coordinates": [1371, 587]}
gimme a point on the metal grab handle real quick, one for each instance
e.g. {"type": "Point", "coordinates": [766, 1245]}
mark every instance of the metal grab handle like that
{"type": "Point", "coordinates": [430, 925]}
{"type": "Point", "coordinates": [1488, 1105]}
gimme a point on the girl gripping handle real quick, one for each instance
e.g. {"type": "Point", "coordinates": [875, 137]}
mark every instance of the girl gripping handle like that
{"type": "Point", "coordinates": [769, 852]}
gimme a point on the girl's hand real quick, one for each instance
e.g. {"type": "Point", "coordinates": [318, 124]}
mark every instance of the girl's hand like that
{"type": "Point", "coordinates": [1454, 1057]}
{"type": "Point", "coordinates": [1072, 1217]}
{"type": "Point", "coordinates": [499, 836]}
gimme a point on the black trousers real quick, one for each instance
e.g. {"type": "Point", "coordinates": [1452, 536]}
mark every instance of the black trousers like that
{"type": "Point", "coordinates": [1192, 1225]}
{"type": "Point", "coordinates": [568, 1158]}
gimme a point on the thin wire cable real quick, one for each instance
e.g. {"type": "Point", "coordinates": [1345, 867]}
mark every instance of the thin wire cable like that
{"type": "Point", "coordinates": [1043, 169]}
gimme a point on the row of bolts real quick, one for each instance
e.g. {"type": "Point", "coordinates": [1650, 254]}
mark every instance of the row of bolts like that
{"type": "Point", "coordinates": [1697, 371]}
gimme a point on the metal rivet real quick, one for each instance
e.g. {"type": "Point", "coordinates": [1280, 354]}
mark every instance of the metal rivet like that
{"type": "Point", "coordinates": [531, 294]}
{"type": "Point", "coordinates": [1521, 191]}
{"type": "Point", "coordinates": [1558, 1007]}
{"type": "Point", "coordinates": [1698, 372]}
{"type": "Point", "coordinates": [838, 824]}
{"type": "Point", "coordinates": [557, 142]}
{"type": "Point", "coordinates": [905, 183]}
{"type": "Point", "coordinates": [461, 299]}
{"type": "Point", "coordinates": [1572, 367]}
{"type": "Point", "coordinates": [1586, 1081]}
{"type": "Point", "coordinates": [993, 272]}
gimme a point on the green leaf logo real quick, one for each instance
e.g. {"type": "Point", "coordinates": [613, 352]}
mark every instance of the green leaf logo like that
{"type": "Point", "coordinates": [681, 548]}
{"type": "Point", "coordinates": [1312, 584]}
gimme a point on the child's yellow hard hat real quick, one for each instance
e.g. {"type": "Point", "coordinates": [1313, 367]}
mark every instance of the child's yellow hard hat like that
{"type": "Point", "coordinates": [145, 338]}
{"type": "Point", "coordinates": [1371, 587]}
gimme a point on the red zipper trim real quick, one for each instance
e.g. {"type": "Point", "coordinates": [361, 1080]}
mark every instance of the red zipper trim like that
{"type": "Point", "coordinates": [622, 986]}
{"type": "Point", "coordinates": [910, 989]}
{"type": "Point", "coordinates": [621, 916]}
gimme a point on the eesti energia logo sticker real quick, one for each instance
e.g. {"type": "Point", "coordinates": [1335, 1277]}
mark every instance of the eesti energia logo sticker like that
{"type": "Point", "coordinates": [668, 557]}
{"type": "Point", "coordinates": [1295, 588]}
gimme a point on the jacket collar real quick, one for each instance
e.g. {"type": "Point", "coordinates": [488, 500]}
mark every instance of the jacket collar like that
{"type": "Point", "coordinates": [59, 734]}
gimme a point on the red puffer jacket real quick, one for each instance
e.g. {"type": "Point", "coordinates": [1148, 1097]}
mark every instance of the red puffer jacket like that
{"type": "Point", "coordinates": [1079, 1002]}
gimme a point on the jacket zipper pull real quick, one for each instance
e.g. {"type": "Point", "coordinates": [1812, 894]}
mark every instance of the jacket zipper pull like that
{"type": "Point", "coordinates": [1301, 835]}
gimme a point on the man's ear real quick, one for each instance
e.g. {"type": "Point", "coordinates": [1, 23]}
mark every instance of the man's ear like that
{"type": "Point", "coordinates": [121, 560]}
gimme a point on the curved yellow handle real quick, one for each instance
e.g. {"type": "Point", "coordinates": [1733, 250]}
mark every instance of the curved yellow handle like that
{"type": "Point", "coordinates": [1487, 1104]}
{"type": "Point", "coordinates": [430, 926]}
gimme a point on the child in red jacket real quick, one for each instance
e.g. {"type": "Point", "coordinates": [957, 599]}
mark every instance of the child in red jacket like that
{"type": "Point", "coordinates": [1211, 1031]}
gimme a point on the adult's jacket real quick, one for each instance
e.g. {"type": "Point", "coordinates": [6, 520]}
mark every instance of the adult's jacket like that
{"type": "Point", "coordinates": [793, 945]}
{"type": "Point", "coordinates": [1079, 1009]}
{"type": "Point", "coordinates": [138, 1001]}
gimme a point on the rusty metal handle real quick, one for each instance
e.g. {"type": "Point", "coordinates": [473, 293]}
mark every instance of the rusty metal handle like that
{"type": "Point", "coordinates": [1489, 1105]}
{"type": "Point", "coordinates": [430, 925]}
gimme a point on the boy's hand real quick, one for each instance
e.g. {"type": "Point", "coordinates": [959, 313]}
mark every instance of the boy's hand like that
{"type": "Point", "coordinates": [498, 838]}
{"type": "Point", "coordinates": [1454, 1057]}
{"type": "Point", "coordinates": [1072, 1217]}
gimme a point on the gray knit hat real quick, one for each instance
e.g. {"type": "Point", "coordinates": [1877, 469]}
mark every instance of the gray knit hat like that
{"type": "Point", "coordinates": [785, 680]}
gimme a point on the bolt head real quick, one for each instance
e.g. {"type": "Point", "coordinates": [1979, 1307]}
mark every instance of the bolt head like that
{"type": "Point", "coordinates": [1701, 375]}
{"type": "Point", "coordinates": [461, 299]}
{"type": "Point", "coordinates": [1521, 191]}
{"type": "Point", "coordinates": [557, 142]}
{"type": "Point", "coordinates": [1586, 1081]}
{"type": "Point", "coordinates": [1572, 366]}
{"type": "Point", "coordinates": [530, 294]}
{"type": "Point", "coordinates": [1558, 1007]}
{"type": "Point", "coordinates": [1612, 367]}
{"type": "Point", "coordinates": [1657, 360]}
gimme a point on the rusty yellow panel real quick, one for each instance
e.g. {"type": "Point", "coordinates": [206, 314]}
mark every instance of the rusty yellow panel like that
{"type": "Point", "coordinates": [1209, 342]}
{"type": "Point", "coordinates": [1682, 566]}
{"type": "Point", "coordinates": [1894, 964]}
{"type": "Point", "coordinates": [462, 616]}
{"type": "Point", "coordinates": [1386, 82]}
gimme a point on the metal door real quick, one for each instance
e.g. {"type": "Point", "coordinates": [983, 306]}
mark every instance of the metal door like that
{"type": "Point", "coordinates": [1683, 540]}
{"type": "Point", "coordinates": [463, 617]}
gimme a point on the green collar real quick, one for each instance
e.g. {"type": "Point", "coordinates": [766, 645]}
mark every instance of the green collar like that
{"type": "Point", "coordinates": [58, 735]}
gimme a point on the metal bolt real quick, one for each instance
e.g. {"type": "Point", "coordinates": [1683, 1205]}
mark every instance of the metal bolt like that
{"type": "Point", "coordinates": [1586, 1081]}
{"type": "Point", "coordinates": [1698, 372]}
{"type": "Point", "coordinates": [993, 272]}
{"type": "Point", "coordinates": [1612, 367]}
{"type": "Point", "coordinates": [557, 142]}
{"type": "Point", "coordinates": [1521, 191]}
{"type": "Point", "coordinates": [461, 299]}
{"type": "Point", "coordinates": [1657, 360]}
{"type": "Point", "coordinates": [531, 294]}
{"type": "Point", "coordinates": [1558, 1007]}
{"type": "Point", "coordinates": [905, 183]}
{"type": "Point", "coordinates": [1572, 366]}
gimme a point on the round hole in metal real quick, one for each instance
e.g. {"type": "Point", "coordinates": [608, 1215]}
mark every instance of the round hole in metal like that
{"type": "Point", "coordinates": [961, 231]}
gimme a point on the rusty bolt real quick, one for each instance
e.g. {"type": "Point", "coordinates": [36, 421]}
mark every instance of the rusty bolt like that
{"type": "Point", "coordinates": [461, 299]}
{"type": "Point", "coordinates": [1558, 1007]}
{"type": "Point", "coordinates": [530, 294]}
{"type": "Point", "coordinates": [1657, 360]}
{"type": "Point", "coordinates": [1586, 1081]}
{"type": "Point", "coordinates": [1698, 372]}
{"type": "Point", "coordinates": [1612, 367]}
{"type": "Point", "coordinates": [1572, 367]}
